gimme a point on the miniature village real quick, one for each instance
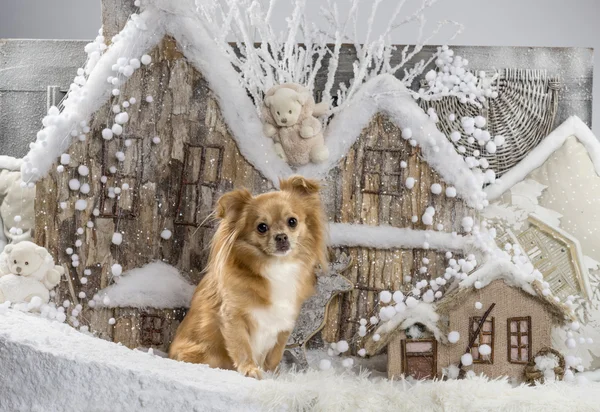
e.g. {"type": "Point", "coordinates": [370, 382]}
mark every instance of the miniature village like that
{"type": "Point", "coordinates": [460, 245]}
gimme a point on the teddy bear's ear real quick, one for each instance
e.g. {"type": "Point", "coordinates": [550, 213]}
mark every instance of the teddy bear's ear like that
{"type": "Point", "coordinates": [8, 248]}
{"type": "Point", "coordinates": [42, 252]}
{"type": "Point", "coordinates": [268, 100]}
{"type": "Point", "coordinates": [302, 98]}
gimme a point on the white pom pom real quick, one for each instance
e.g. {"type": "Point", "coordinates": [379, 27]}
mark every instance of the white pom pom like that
{"type": "Point", "coordinates": [499, 140]}
{"type": "Point", "coordinates": [410, 182]}
{"type": "Point", "coordinates": [485, 350]}
{"type": "Point", "coordinates": [83, 170]}
{"type": "Point", "coordinates": [450, 191]}
{"type": "Point", "coordinates": [65, 159]}
{"type": "Point", "coordinates": [116, 92]}
{"type": "Point", "coordinates": [466, 359]}
{"type": "Point", "coordinates": [117, 238]}
{"type": "Point", "coordinates": [342, 346]}
{"type": "Point", "coordinates": [116, 269]}
{"type": "Point", "coordinates": [385, 296]}
{"type": "Point", "coordinates": [74, 184]}
{"type": "Point", "coordinates": [112, 321]}
{"type": "Point", "coordinates": [325, 364]}
{"type": "Point", "coordinates": [571, 344]}
{"type": "Point", "coordinates": [455, 136]}
{"type": "Point", "coordinates": [107, 134]}
{"type": "Point", "coordinates": [122, 118]}
{"type": "Point", "coordinates": [453, 337]}
{"type": "Point", "coordinates": [166, 234]}
{"type": "Point", "coordinates": [411, 302]}
{"type": "Point", "coordinates": [149, 99]}
{"type": "Point", "coordinates": [128, 71]}
{"type": "Point", "coordinates": [407, 133]}
{"type": "Point", "coordinates": [146, 60]}
{"type": "Point", "coordinates": [376, 337]}
{"type": "Point", "coordinates": [480, 121]}
{"type": "Point", "coordinates": [59, 169]}
{"type": "Point", "coordinates": [436, 188]}
{"type": "Point", "coordinates": [156, 140]}
{"type": "Point", "coordinates": [374, 320]}
{"type": "Point", "coordinates": [403, 164]}
{"type": "Point", "coordinates": [348, 363]}
{"type": "Point", "coordinates": [427, 219]}
{"type": "Point", "coordinates": [490, 147]}
{"type": "Point", "coordinates": [81, 204]}
{"type": "Point", "coordinates": [362, 353]}
{"type": "Point", "coordinates": [575, 325]}
{"type": "Point", "coordinates": [398, 296]}
{"type": "Point", "coordinates": [478, 305]}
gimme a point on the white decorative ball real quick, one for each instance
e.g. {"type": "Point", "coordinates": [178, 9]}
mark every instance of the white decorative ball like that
{"type": "Point", "coordinates": [453, 337]}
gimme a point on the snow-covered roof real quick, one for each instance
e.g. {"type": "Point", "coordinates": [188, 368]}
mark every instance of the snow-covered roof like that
{"type": "Point", "coordinates": [383, 93]}
{"type": "Point", "coordinates": [10, 163]}
{"type": "Point", "coordinates": [582, 273]}
{"type": "Point", "coordinates": [155, 285]}
{"type": "Point", "coordinates": [573, 126]}
{"type": "Point", "coordinates": [423, 313]}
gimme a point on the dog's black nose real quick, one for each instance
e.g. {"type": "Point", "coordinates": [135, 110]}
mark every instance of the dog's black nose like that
{"type": "Point", "coordinates": [281, 238]}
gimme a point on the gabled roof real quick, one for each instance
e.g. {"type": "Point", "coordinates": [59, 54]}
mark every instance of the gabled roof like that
{"type": "Point", "coordinates": [383, 93]}
{"type": "Point", "coordinates": [573, 126]}
{"type": "Point", "coordinates": [574, 247]}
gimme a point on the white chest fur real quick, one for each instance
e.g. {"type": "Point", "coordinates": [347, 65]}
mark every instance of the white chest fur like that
{"type": "Point", "coordinates": [281, 315]}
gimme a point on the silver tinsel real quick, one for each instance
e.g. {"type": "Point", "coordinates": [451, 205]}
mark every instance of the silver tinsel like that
{"type": "Point", "coordinates": [312, 314]}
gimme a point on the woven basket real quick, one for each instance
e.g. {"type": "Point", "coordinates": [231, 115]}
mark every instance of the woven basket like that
{"type": "Point", "coordinates": [523, 113]}
{"type": "Point", "coordinates": [533, 375]}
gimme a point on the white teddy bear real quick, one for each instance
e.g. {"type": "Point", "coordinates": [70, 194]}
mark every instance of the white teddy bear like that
{"type": "Point", "coordinates": [289, 119]}
{"type": "Point", "coordinates": [27, 270]}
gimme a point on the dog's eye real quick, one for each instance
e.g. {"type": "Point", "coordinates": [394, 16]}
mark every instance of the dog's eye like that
{"type": "Point", "coordinates": [15, 262]}
{"type": "Point", "coordinates": [292, 222]}
{"type": "Point", "coordinates": [278, 113]}
{"type": "Point", "coordinates": [262, 228]}
{"type": "Point", "coordinates": [290, 112]}
{"type": "Point", "coordinates": [26, 263]}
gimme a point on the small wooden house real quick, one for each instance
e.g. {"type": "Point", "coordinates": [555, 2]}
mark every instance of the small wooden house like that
{"type": "Point", "coordinates": [515, 323]}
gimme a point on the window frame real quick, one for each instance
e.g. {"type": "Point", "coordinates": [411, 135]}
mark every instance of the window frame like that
{"type": "Point", "coordinates": [474, 320]}
{"type": "Point", "coordinates": [518, 334]}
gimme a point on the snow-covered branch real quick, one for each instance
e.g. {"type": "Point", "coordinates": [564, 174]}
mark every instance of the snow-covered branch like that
{"type": "Point", "coordinates": [263, 58]}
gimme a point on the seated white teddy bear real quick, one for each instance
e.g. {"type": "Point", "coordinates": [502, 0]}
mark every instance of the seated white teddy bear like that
{"type": "Point", "coordinates": [27, 270]}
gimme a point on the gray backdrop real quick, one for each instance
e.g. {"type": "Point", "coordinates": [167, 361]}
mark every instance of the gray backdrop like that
{"type": "Point", "coordinates": [488, 23]}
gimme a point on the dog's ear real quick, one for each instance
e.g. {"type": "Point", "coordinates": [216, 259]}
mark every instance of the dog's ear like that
{"type": "Point", "coordinates": [300, 186]}
{"type": "Point", "coordinates": [268, 100]}
{"type": "Point", "coordinates": [231, 204]}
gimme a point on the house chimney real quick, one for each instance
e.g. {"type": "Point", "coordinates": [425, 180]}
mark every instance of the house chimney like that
{"type": "Point", "coordinates": [114, 16]}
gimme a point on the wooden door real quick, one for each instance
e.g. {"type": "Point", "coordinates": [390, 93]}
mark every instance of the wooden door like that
{"type": "Point", "coordinates": [419, 358]}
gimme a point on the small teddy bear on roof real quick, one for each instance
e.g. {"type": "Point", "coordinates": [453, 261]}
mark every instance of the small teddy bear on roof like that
{"type": "Point", "coordinates": [289, 118]}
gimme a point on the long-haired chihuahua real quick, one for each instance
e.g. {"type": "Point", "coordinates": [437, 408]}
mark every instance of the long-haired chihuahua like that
{"type": "Point", "coordinates": [262, 265]}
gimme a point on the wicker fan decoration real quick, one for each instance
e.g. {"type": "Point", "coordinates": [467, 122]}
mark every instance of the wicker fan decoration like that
{"type": "Point", "coordinates": [523, 113]}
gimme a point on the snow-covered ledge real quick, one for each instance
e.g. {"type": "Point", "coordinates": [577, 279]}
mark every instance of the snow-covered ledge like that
{"type": "Point", "coordinates": [47, 366]}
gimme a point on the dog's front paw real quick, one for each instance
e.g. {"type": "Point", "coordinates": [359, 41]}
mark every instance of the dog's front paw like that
{"type": "Point", "coordinates": [251, 371]}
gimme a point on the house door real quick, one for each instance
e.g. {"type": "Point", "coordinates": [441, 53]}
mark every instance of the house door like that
{"type": "Point", "coordinates": [419, 358]}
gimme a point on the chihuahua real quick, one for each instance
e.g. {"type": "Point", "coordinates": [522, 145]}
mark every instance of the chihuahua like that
{"type": "Point", "coordinates": [262, 267]}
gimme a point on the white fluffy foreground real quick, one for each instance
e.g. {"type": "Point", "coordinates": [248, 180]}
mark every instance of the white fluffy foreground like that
{"type": "Point", "coordinates": [47, 366]}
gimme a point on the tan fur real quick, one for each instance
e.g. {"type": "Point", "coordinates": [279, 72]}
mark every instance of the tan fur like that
{"type": "Point", "coordinates": [221, 326]}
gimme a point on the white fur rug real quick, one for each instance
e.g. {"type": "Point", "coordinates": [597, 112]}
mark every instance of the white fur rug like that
{"type": "Point", "coordinates": [330, 391]}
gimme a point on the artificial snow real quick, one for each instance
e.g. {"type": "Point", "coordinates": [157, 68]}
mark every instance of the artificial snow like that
{"type": "Point", "coordinates": [417, 312]}
{"type": "Point", "coordinates": [389, 237]}
{"type": "Point", "coordinates": [156, 285]}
